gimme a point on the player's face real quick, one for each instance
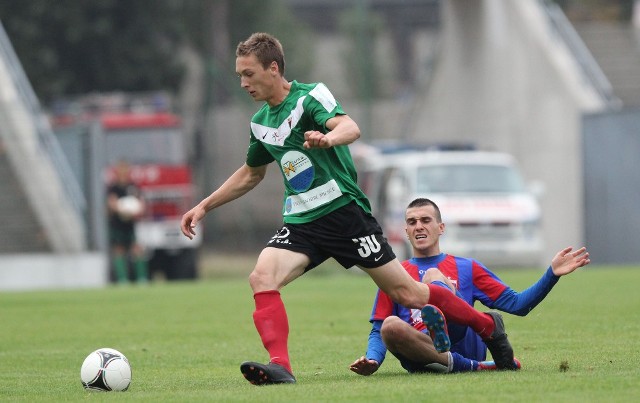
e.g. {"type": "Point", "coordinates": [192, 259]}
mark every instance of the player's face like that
{"type": "Point", "coordinates": [123, 172]}
{"type": "Point", "coordinates": [256, 80]}
{"type": "Point", "coordinates": [423, 230]}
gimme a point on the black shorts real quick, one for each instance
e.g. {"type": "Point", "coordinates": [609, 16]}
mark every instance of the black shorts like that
{"type": "Point", "coordinates": [349, 235]}
{"type": "Point", "coordinates": [124, 237]}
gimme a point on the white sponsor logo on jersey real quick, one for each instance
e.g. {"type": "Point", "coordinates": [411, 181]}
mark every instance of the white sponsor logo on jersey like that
{"type": "Point", "coordinates": [298, 169]}
{"type": "Point", "coordinates": [313, 198]}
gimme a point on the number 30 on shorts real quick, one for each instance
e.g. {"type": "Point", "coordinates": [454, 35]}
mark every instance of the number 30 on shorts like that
{"type": "Point", "coordinates": [368, 245]}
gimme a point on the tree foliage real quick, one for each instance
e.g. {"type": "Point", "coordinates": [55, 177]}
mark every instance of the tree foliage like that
{"type": "Point", "coordinates": [71, 47]}
{"type": "Point", "coordinates": [363, 28]}
{"type": "Point", "coordinates": [274, 17]}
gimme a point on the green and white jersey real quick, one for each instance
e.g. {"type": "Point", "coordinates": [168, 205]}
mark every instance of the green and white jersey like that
{"type": "Point", "coordinates": [316, 181]}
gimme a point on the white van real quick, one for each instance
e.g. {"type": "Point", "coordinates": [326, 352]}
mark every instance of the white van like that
{"type": "Point", "coordinates": [489, 213]}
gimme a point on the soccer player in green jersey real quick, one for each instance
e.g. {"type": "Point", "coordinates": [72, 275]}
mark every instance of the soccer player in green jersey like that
{"type": "Point", "coordinates": [306, 132]}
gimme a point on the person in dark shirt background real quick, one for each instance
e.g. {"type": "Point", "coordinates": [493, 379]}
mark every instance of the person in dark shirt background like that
{"type": "Point", "coordinates": [125, 206]}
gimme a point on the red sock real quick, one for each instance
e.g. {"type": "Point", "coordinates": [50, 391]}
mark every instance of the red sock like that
{"type": "Point", "coordinates": [272, 324]}
{"type": "Point", "coordinates": [457, 310]}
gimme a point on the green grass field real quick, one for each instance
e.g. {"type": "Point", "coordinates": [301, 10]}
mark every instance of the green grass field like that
{"type": "Point", "coordinates": [185, 342]}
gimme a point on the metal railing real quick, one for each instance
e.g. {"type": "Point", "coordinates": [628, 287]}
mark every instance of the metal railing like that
{"type": "Point", "coordinates": [590, 68]}
{"type": "Point", "coordinates": [46, 139]}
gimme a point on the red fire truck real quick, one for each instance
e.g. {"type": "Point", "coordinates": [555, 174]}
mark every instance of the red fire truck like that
{"type": "Point", "coordinates": [152, 142]}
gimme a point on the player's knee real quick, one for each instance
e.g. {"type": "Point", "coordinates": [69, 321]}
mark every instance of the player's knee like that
{"type": "Point", "coordinates": [433, 274]}
{"type": "Point", "coordinates": [257, 280]}
{"type": "Point", "coordinates": [137, 250]}
{"type": "Point", "coordinates": [414, 296]}
{"type": "Point", "coordinates": [118, 250]}
{"type": "Point", "coordinates": [392, 330]}
{"type": "Point", "coordinates": [263, 279]}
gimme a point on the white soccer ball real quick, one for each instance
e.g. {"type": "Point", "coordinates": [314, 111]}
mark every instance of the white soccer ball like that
{"type": "Point", "coordinates": [129, 206]}
{"type": "Point", "coordinates": [106, 369]}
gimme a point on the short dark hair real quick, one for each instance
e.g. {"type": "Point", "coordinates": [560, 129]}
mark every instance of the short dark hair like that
{"type": "Point", "coordinates": [266, 47]}
{"type": "Point", "coordinates": [423, 201]}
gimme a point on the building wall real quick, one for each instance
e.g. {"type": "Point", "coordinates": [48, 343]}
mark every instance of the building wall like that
{"type": "Point", "coordinates": [612, 175]}
{"type": "Point", "coordinates": [506, 83]}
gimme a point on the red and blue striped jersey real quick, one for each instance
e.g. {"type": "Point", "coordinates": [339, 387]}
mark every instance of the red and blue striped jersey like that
{"type": "Point", "coordinates": [474, 282]}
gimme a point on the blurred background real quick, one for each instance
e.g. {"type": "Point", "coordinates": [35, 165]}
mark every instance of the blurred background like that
{"type": "Point", "coordinates": [556, 84]}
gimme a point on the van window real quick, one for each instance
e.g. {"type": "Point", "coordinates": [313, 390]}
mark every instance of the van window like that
{"type": "Point", "coordinates": [469, 179]}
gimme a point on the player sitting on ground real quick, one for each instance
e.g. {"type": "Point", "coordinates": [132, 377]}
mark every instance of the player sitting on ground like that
{"type": "Point", "coordinates": [420, 340]}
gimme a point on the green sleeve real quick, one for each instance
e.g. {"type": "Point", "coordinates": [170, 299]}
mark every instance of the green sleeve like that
{"type": "Point", "coordinates": [257, 155]}
{"type": "Point", "coordinates": [322, 106]}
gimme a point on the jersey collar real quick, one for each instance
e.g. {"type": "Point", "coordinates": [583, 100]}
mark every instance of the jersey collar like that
{"type": "Point", "coordinates": [430, 260]}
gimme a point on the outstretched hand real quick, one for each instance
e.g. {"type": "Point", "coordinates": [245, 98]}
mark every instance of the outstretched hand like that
{"type": "Point", "coordinates": [363, 366]}
{"type": "Point", "coordinates": [567, 260]}
{"type": "Point", "coordinates": [189, 221]}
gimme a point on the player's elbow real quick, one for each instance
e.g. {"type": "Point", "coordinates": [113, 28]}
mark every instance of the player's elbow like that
{"type": "Point", "coordinates": [257, 177]}
{"type": "Point", "coordinates": [521, 312]}
{"type": "Point", "coordinates": [356, 132]}
{"type": "Point", "coordinates": [253, 176]}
